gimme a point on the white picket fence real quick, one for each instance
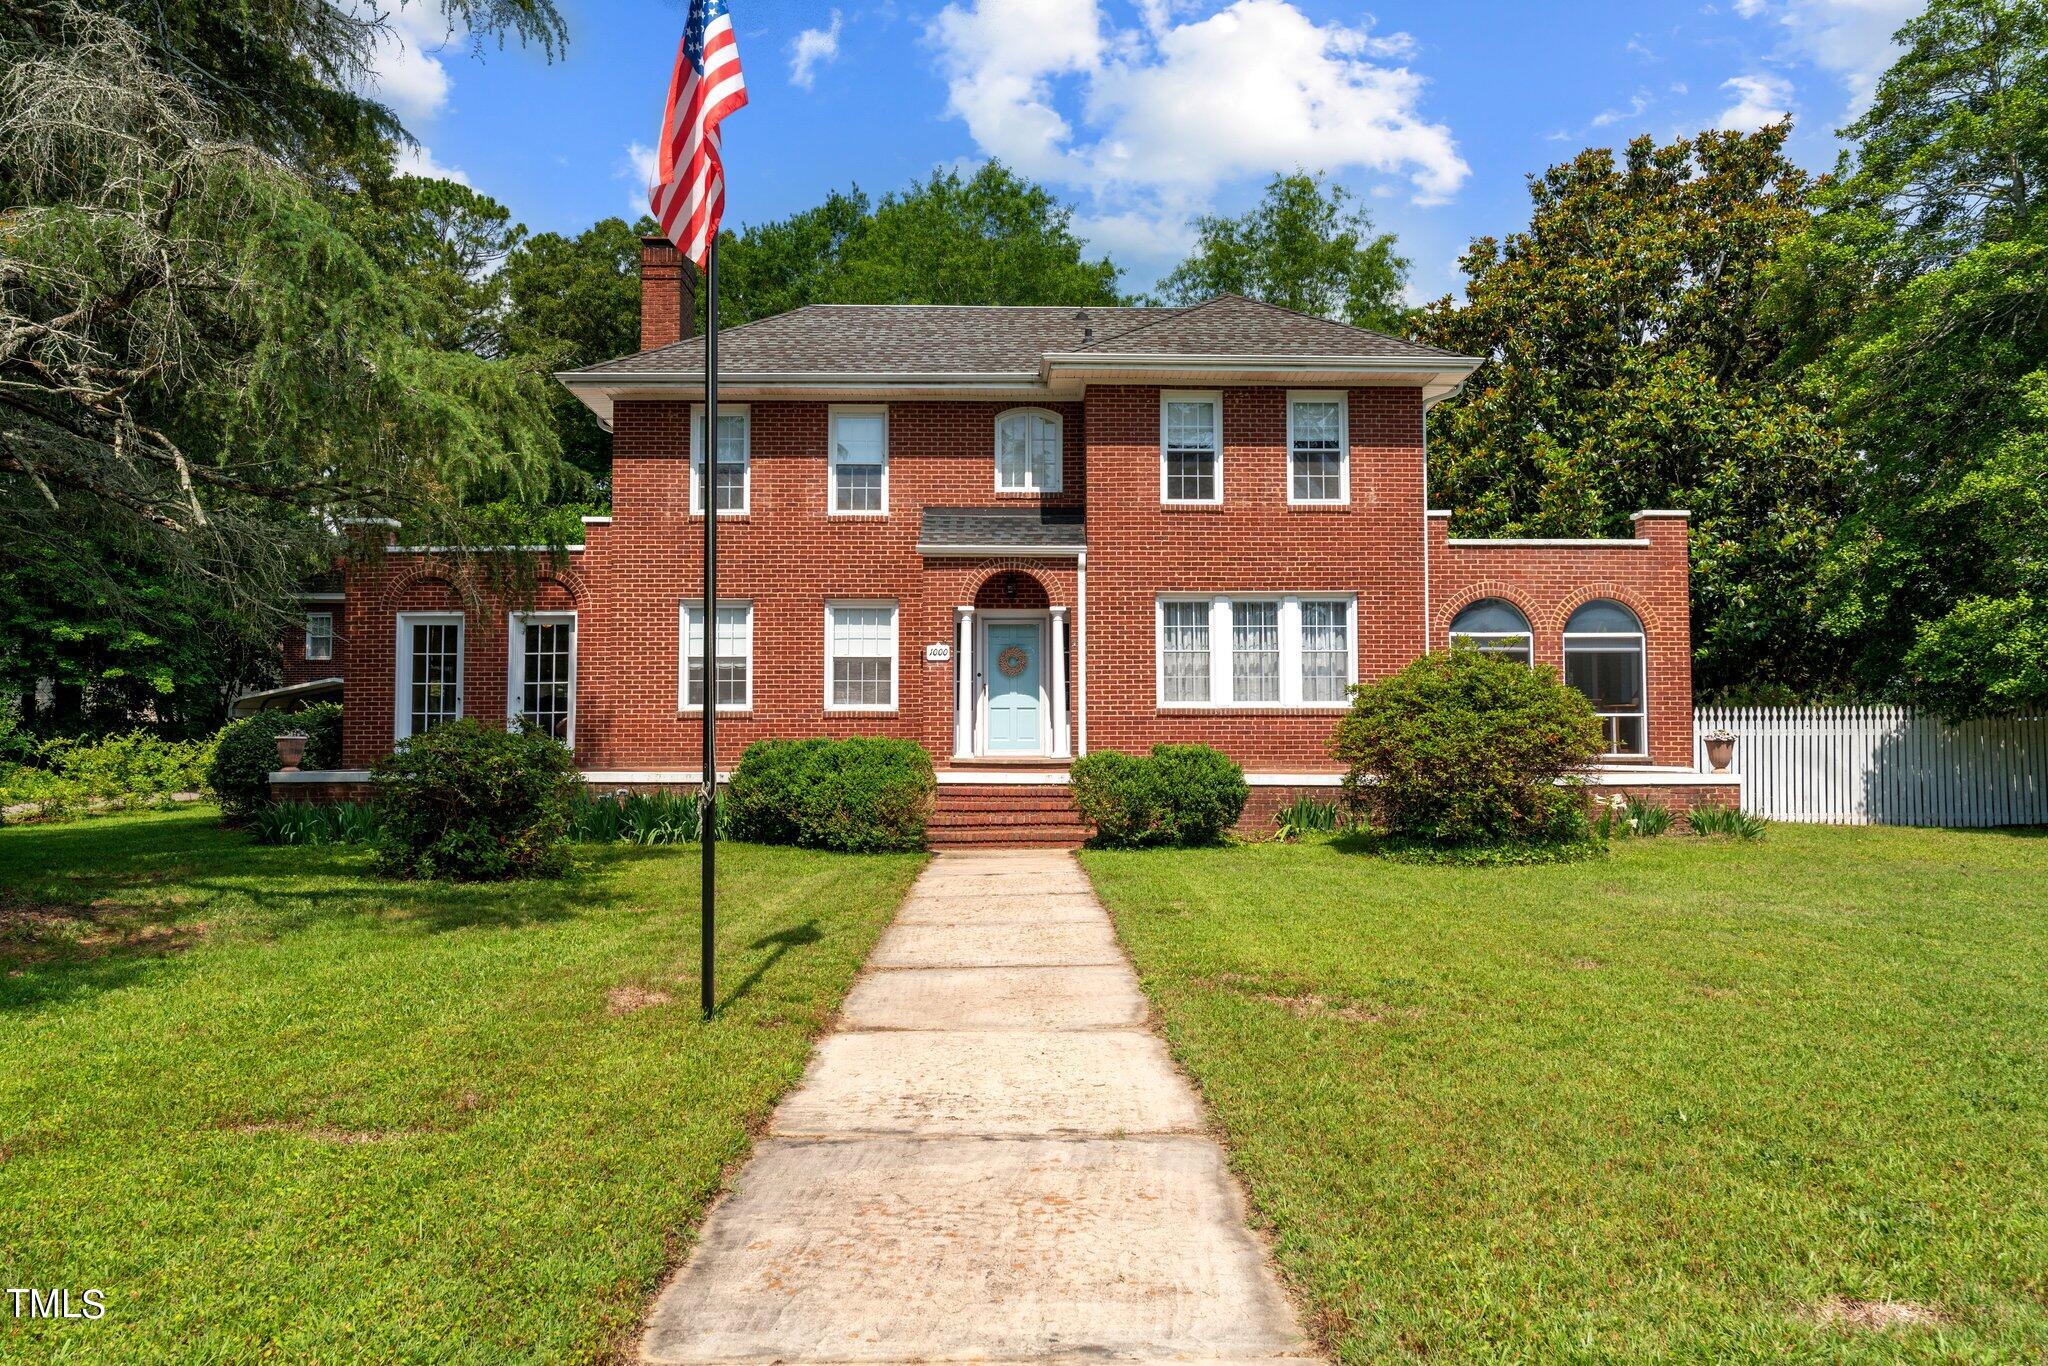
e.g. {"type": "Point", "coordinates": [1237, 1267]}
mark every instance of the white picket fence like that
{"type": "Point", "coordinates": [1883, 765]}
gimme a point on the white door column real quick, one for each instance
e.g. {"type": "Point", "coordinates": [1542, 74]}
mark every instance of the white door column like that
{"type": "Point", "coordinates": [963, 683]}
{"type": "Point", "coordinates": [1062, 748]}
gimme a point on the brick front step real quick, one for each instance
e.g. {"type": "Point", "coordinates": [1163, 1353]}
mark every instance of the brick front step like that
{"type": "Point", "coordinates": [1021, 815]}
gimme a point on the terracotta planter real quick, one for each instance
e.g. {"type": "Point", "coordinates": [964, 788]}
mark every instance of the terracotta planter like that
{"type": "Point", "coordinates": [1720, 754]}
{"type": "Point", "coordinates": [291, 747]}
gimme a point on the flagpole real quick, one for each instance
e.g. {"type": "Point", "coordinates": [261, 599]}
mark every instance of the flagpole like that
{"type": "Point", "coordinates": [707, 823]}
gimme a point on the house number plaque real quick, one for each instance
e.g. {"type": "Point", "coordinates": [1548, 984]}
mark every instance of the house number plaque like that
{"type": "Point", "coordinates": [937, 654]}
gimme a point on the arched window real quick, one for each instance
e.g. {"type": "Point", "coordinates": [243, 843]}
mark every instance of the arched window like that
{"type": "Point", "coordinates": [1494, 627]}
{"type": "Point", "coordinates": [1028, 451]}
{"type": "Point", "coordinates": [1603, 658]}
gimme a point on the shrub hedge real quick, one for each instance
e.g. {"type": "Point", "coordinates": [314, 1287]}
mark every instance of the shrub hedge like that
{"type": "Point", "coordinates": [859, 795]}
{"type": "Point", "coordinates": [1461, 748]}
{"type": "Point", "coordinates": [1177, 794]}
{"type": "Point", "coordinates": [471, 803]}
{"type": "Point", "coordinates": [245, 754]}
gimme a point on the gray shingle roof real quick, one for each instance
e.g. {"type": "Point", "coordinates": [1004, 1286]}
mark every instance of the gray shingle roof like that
{"type": "Point", "coordinates": [956, 339]}
{"type": "Point", "coordinates": [1025, 527]}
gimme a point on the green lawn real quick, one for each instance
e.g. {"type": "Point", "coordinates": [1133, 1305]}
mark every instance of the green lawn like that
{"type": "Point", "coordinates": [1672, 1104]}
{"type": "Point", "coordinates": [275, 1106]}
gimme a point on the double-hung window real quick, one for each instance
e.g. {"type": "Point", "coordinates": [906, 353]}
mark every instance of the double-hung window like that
{"type": "Point", "coordinates": [732, 663]}
{"type": "Point", "coordinates": [1190, 447]}
{"type": "Point", "coordinates": [1318, 461]}
{"type": "Point", "coordinates": [735, 472]}
{"type": "Point", "coordinates": [429, 683]}
{"type": "Point", "coordinates": [860, 461]}
{"type": "Point", "coordinates": [860, 656]}
{"type": "Point", "coordinates": [1028, 451]}
{"type": "Point", "coordinates": [1603, 658]}
{"type": "Point", "coordinates": [319, 635]}
{"type": "Point", "coordinates": [540, 673]}
{"type": "Point", "coordinates": [1286, 650]}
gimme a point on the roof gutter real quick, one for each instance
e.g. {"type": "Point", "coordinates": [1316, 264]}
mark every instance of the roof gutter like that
{"type": "Point", "coordinates": [978, 552]}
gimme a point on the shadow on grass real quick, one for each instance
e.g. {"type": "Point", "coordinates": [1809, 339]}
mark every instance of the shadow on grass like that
{"type": "Point", "coordinates": [778, 944]}
{"type": "Point", "coordinates": [93, 907]}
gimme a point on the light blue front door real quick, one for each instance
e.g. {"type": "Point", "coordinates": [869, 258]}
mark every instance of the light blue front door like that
{"type": "Point", "coordinates": [1013, 672]}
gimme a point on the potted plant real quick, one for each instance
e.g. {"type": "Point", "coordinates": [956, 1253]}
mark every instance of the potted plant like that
{"type": "Point", "coordinates": [1720, 749]}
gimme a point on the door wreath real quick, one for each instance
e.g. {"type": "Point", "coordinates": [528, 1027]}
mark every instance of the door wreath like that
{"type": "Point", "coordinates": [1012, 661]}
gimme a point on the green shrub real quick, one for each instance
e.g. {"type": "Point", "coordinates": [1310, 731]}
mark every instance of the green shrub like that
{"type": "Point", "coordinates": [1177, 794]}
{"type": "Point", "coordinates": [468, 802]}
{"type": "Point", "coordinates": [131, 769]}
{"type": "Point", "coordinates": [761, 798]}
{"type": "Point", "coordinates": [314, 823]}
{"type": "Point", "coordinates": [1724, 821]}
{"type": "Point", "coordinates": [638, 817]}
{"type": "Point", "coordinates": [245, 754]}
{"type": "Point", "coordinates": [1305, 816]}
{"type": "Point", "coordinates": [1462, 749]}
{"type": "Point", "coordinates": [858, 795]}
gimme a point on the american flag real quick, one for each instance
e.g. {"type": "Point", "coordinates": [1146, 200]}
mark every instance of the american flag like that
{"type": "Point", "coordinates": [688, 196]}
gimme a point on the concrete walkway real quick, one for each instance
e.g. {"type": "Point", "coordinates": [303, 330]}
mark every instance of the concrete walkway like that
{"type": "Point", "coordinates": [992, 1159]}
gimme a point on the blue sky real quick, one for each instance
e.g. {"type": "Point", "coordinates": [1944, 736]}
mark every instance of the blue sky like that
{"type": "Point", "coordinates": [1141, 113]}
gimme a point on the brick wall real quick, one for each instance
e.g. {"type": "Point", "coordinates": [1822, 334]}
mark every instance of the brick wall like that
{"type": "Point", "coordinates": [1547, 583]}
{"type": "Point", "coordinates": [787, 556]}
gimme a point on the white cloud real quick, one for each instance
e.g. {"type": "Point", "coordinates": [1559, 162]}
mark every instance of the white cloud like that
{"type": "Point", "coordinates": [1759, 99]}
{"type": "Point", "coordinates": [1850, 39]}
{"type": "Point", "coordinates": [1637, 103]}
{"type": "Point", "coordinates": [638, 169]}
{"type": "Point", "coordinates": [812, 48]}
{"type": "Point", "coordinates": [1180, 106]}
{"type": "Point", "coordinates": [405, 68]}
{"type": "Point", "coordinates": [418, 160]}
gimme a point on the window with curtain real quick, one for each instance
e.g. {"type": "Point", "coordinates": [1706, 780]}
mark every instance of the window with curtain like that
{"type": "Point", "coordinates": [1028, 452]}
{"type": "Point", "coordinates": [732, 460]}
{"type": "Point", "coordinates": [1191, 449]}
{"type": "Point", "coordinates": [1603, 658]}
{"type": "Point", "coordinates": [732, 661]}
{"type": "Point", "coordinates": [1325, 651]}
{"type": "Point", "coordinates": [1317, 464]}
{"type": "Point", "coordinates": [861, 643]}
{"type": "Point", "coordinates": [1495, 627]}
{"type": "Point", "coordinates": [1255, 652]}
{"type": "Point", "coordinates": [1287, 650]}
{"type": "Point", "coordinates": [1184, 650]}
{"type": "Point", "coordinates": [860, 460]}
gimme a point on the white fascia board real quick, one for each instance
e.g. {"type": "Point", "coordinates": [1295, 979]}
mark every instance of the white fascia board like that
{"type": "Point", "coordinates": [981, 552]}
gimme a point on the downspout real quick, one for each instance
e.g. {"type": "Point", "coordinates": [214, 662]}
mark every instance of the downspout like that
{"type": "Point", "coordinates": [1081, 656]}
{"type": "Point", "coordinates": [1426, 585]}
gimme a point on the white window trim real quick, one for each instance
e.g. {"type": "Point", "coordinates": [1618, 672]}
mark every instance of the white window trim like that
{"type": "Point", "coordinates": [746, 417]}
{"type": "Point", "coordinates": [401, 718]}
{"type": "Point", "coordinates": [1214, 396]}
{"type": "Point", "coordinates": [832, 415]}
{"type": "Point", "coordinates": [895, 653]}
{"type": "Point", "coordinates": [1343, 402]}
{"type": "Point", "coordinates": [1585, 640]}
{"type": "Point", "coordinates": [1220, 642]}
{"type": "Point", "coordinates": [1059, 444]}
{"type": "Point", "coordinates": [515, 661]}
{"type": "Point", "coordinates": [330, 636]}
{"type": "Point", "coordinates": [683, 704]}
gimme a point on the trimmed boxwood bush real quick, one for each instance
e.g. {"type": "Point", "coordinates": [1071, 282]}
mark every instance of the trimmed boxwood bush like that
{"type": "Point", "coordinates": [471, 803]}
{"type": "Point", "coordinates": [245, 754]}
{"type": "Point", "coordinates": [1464, 749]}
{"type": "Point", "coordinates": [1177, 794]}
{"type": "Point", "coordinates": [858, 795]}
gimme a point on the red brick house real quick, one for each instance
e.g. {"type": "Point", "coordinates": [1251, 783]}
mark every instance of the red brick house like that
{"type": "Point", "coordinates": [1016, 535]}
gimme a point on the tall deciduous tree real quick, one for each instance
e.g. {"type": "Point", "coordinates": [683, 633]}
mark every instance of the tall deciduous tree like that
{"type": "Point", "coordinates": [1923, 291]}
{"type": "Point", "coordinates": [1309, 246]}
{"type": "Point", "coordinates": [989, 238]}
{"type": "Point", "coordinates": [1630, 364]}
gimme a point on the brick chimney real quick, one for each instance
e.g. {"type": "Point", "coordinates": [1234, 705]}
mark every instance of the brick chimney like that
{"type": "Point", "coordinates": [668, 294]}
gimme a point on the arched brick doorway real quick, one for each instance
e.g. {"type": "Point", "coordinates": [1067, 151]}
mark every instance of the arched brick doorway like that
{"type": "Point", "coordinates": [1011, 689]}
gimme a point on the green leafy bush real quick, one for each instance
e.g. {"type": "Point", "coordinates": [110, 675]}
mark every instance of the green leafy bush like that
{"type": "Point", "coordinates": [245, 754]}
{"type": "Point", "coordinates": [314, 823]}
{"type": "Point", "coordinates": [1176, 795]}
{"type": "Point", "coordinates": [132, 769]}
{"type": "Point", "coordinates": [1724, 821]}
{"type": "Point", "coordinates": [471, 803]}
{"type": "Point", "coordinates": [858, 795]}
{"type": "Point", "coordinates": [1461, 748]}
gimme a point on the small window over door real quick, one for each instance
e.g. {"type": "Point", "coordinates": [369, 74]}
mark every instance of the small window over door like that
{"type": "Point", "coordinates": [1028, 451]}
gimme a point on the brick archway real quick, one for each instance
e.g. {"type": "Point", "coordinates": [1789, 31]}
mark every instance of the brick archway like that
{"type": "Point", "coordinates": [1012, 588]}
